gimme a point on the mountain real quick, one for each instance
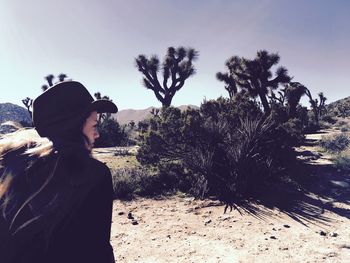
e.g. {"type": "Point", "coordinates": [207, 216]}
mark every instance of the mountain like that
{"type": "Point", "coordinates": [339, 108]}
{"type": "Point", "coordinates": [125, 116]}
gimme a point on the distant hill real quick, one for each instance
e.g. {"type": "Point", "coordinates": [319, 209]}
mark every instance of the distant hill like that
{"type": "Point", "coordinates": [125, 116]}
{"type": "Point", "coordinates": [339, 108]}
{"type": "Point", "coordinates": [14, 113]}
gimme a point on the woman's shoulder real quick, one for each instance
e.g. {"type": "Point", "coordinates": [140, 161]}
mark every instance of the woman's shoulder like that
{"type": "Point", "coordinates": [97, 165]}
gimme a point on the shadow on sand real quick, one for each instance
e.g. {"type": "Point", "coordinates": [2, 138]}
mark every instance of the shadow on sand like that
{"type": "Point", "coordinates": [304, 196]}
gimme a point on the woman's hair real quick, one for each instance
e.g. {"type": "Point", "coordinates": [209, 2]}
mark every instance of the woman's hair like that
{"type": "Point", "coordinates": [19, 152]}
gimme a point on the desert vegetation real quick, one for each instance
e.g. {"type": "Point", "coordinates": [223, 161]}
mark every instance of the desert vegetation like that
{"type": "Point", "coordinates": [339, 146]}
{"type": "Point", "coordinates": [228, 147]}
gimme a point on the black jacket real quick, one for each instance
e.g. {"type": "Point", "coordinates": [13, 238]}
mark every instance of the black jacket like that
{"type": "Point", "coordinates": [72, 213]}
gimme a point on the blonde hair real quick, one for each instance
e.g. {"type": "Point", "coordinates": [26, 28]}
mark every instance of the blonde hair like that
{"type": "Point", "coordinates": [26, 139]}
{"type": "Point", "coordinates": [16, 148]}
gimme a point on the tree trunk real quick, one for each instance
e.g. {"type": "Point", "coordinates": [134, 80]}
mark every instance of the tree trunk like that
{"type": "Point", "coordinates": [167, 101]}
{"type": "Point", "coordinates": [265, 103]}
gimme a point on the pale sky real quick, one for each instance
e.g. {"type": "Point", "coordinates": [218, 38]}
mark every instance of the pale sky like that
{"type": "Point", "coordinates": [96, 41]}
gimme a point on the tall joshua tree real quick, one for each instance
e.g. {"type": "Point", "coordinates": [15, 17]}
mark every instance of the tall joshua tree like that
{"type": "Point", "coordinates": [293, 92]}
{"type": "Point", "coordinates": [255, 75]}
{"type": "Point", "coordinates": [317, 105]}
{"type": "Point", "coordinates": [176, 68]}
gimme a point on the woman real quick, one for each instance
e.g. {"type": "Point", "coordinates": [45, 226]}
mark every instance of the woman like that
{"type": "Point", "coordinates": [55, 199]}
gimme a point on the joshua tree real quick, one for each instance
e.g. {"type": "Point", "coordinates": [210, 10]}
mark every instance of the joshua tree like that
{"type": "Point", "coordinates": [293, 93]}
{"type": "Point", "coordinates": [102, 116]}
{"type": "Point", "coordinates": [28, 104]}
{"type": "Point", "coordinates": [255, 75]}
{"type": "Point", "coordinates": [317, 106]}
{"type": "Point", "coordinates": [154, 112]}
{"type": "Point", "coordinates": [49, 78]}
{"type": "Point", "coordinates": [176, 68]}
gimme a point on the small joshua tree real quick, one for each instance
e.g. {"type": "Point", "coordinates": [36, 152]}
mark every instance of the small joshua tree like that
{"type": "Point", "coordinates": [28, 104]}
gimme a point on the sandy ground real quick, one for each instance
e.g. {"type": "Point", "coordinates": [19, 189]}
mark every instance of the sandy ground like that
{"type": "Point", "coordinates": [185, 230]}
{"type": "Point", "coordinates": [309, 222]}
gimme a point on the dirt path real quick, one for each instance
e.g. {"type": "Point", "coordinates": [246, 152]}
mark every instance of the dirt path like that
{"type": "Point", "coordinates": [308, 223]}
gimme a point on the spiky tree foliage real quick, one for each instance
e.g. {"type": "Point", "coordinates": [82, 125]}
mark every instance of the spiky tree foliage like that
{"type": "Point", "coordinates": [49, 78]}
{"type": "Point", "coordinates": [44, 87]}
{"type": "Point", "coordinates": [255, 75]}
{"type": "Point", "coordinates": [230, 83]}
{"type": "Point", "coordinates": [176, 68]}
{"type": "Point", "coordinates": [62, 77]}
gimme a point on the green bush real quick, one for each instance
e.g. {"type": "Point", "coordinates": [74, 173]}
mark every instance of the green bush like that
{"type": "Point", "coordinates": [225, 148]}
{"type": "Point", "coordinates": [336, 143]}
{"type": "Point", "coordinates": [111, 134]}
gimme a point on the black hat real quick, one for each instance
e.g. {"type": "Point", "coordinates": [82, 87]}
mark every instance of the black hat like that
{"type": "Point", "coordinates": [64, 107]}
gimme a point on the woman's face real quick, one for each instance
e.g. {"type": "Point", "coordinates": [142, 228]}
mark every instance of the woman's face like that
{"type": "Point", "coordinates": [90, 130]}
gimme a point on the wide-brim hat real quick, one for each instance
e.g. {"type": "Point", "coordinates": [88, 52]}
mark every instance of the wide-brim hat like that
{"type": "Point", "coordinates": [64, 107]}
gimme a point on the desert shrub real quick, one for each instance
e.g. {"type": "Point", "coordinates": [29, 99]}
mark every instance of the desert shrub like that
{"type": "Point", "coordinates": [111, 134]}
{"type": "Point", "coordinates": [329, 119]}
{"type": "Point", "coordinates": [225, 148]}
{"type": "Point", "coordinates": [293, 129]}
{"type": "Point", "coordinates": [336, 143]}
{"type": "Point", "coordinates": [344, 129]}
{"type": "Point", "coordinates": [342, 161]}
{"type": "Point", "coordinates": [342, 110]}
{"type": "Point", "coordinates": [128, 182]}
{"type": "Point", "coordinates": [341, 123]}
{"type": "Point", "coordinates": [148, 181]}
{"type": "Point", "coordinates": [124, 183]}
{"type": "Point", "coordinates": [324, 125]}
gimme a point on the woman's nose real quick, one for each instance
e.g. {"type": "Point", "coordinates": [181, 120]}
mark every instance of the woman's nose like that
{"type": "Point", "coordinates": [97, 134]}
